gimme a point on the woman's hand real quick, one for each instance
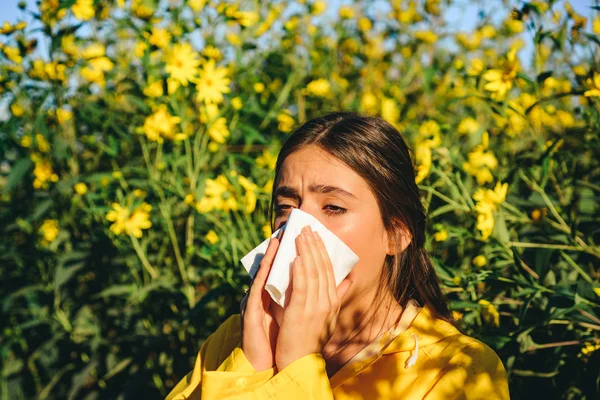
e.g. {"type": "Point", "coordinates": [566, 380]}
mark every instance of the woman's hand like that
{"type": "Point", "coordinates": [310, 318]}
{"type": "Point", "coordinates": [259, 328]}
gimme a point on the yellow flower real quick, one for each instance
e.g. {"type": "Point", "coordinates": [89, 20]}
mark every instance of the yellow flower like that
{"type": "Point", "coordinates": [468, 126]}
{"type": "Point", "coordinates": [364, 24]}
{"type": "Point", "coordinates": [140, 49]}
{"type": "Point", "coordinates": [219, 194]}
{"type": "Point", "coordinates": [319, 7]}
{"type": "Point", "coordinates": [597, 291]}
{"type": "Point", "coordinates": [233, 38]}
{"type": "Point", "coordinates": [63, 115]}
{"type": "Point", "coordinates": [368, 103]}
{"type": "Point", "coordinates": [476, 67]}
{"type": "Point", "coordinates": [479, 261]}
{"type": "Point", "coordinates": [266, 230]}
{"type": "Point", "coordinates": [17, 109]}
{"type": "Point", "coordinates": [286, 122]}
{"type": "Point", "coordinates": [259, 87]}
{"type": "Point", "coordinates": [266, 159]}
{"type": "Point", "coordinates": [212, 83]}
{"type": "Point", "coordinates": [213, 147]}
{"type": "Point", "coordinates": [318, 87]}
{"type": "Point", "coordinates": [390, 110]}
{"type": "Point", "coordinates": [596, 25]}
{"type": "Point", "coordinates": [94, 50]}
{"type": "Point", "coordinates": [429, 134]}
{"type": "Point", "coordinates": [246, 18]}
{"type": "Point", "coordinates": [212, 237]}
{"type": "Point", "coordinates": [95, 71]}
{"type": "Point", "coordinates": [12, 53]}
{"type": "Point", "coordinates": [155, 89]}
{"type": "Point", "coordinates": [7, 28]}
{"type": "Point", "coordinates": [67, 43]}
{"type": "Point", "coordinates": [83, 9]}
{"type": "Point", "coordinates": [488, 31]}
{"type": "Point", "coordinates": [196, 5]}
{"type": "Point", "coordinates": [250, 195]}
{"type": "Point", "coordinates": [218, 130]}
{"type": "Point", "coordinates": [423, 160]}
{"type": "Point", "coordinates": [160, 124]}
{"type": "Point", "coordinates": [490, 313]}
{"type": "Point", "coordinates": [26, 141]}
{"type": "Point", "coordinates": [127, 222]}
{"type": "Point", "coordinates": [500, 81]}
{"type": "Point", "coordinates": [181, 63]}
{"type": "Point", "coordinates": [236, 103]}
{"type": "Point", "coordinates": [470, 42]}
{"type": "Point", "coordinates": [160, 37]}
{"type": "Point", "coordinates": [42, 143]}
{"type": "Point", "coordinates": [595, 86]}
{"type": "Point", "coordinates": [142, 8]}
{"type": "Point", "coordinates": [589, 348]}
{"type": "Point", "coordinates": [346, 12]}
{"type": "Point", "coordinates": [80, 188]}
{"type": "Point", "coordinates": [488, 202]}
{"type": "Point", "coordinates": [426, 36]}
{"type": "Point", "coordinates": [49, 231]}
{"type": "Point", "coordinates": [441, 236]}
{"type": "Point", "coordinates": [514, 26]}
{"type": "Point", "coordinates": [457, 316]}
{"type": "Point", "coordinates": [212, 52]}
{"type": "Point", "coordinates": [481, 162]}
{"type": "Point", "coordinates": [43, 173]}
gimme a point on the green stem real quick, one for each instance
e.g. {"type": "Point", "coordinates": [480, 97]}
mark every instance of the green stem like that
{"type": "Point", "coordinates": [174, 241]}
{"type": "Point", "coordinates": [142, 256]}
{"type": "Point", "coordinates": [445, 198]}
{"type": "Point", "coordinates": [576, 267]}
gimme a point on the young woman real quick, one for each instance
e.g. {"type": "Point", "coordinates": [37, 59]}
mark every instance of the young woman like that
{"type": "Point", "coordinates": [385, 332]}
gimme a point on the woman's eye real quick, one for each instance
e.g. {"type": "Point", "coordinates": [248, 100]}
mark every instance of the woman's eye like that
{"type": "Point", "coordinates": [333, 210]}
{"type": "Point", "coordinates": [330, 209]}
{"type": "Point", "coordinates": [281, 208]}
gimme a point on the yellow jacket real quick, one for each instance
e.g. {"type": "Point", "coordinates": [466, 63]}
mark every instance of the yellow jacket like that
{"type": "Point", "coordinates": [449, 365]}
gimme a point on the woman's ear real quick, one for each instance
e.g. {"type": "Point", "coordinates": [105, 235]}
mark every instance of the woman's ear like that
{"type": "Point", "coordinates": [402, 236]}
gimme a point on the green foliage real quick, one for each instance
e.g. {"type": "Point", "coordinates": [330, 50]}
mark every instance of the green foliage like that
{"type": "Point", "coordinates": [136, 166]}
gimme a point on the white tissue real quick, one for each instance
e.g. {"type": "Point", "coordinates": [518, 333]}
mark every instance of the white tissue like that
{"type": "Point", "coordinates": [278, 283]}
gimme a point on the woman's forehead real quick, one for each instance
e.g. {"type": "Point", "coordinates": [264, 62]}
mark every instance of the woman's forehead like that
{"type": "Point", "coordinates": [312, 166]}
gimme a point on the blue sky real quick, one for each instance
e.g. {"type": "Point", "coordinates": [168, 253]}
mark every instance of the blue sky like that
{"type": "Point", "coordinates": [462, 16]}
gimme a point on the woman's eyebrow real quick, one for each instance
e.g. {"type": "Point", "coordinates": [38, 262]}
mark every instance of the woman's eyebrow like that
{"type": "Point", "coordinates": [288, 191]}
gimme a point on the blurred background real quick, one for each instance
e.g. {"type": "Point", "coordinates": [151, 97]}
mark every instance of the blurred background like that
{"type": "Point", "coordinates": [137, 145]}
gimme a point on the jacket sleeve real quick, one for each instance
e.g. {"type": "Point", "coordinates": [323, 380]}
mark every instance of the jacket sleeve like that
{"type": "Point", "coordinates": [236, 378]}
{"type": "Point", "coordinates": [305, 378]}
{"type": "Point", "coordinates": [210, 369]}
{"type": "Point", "coordinates": [476, 372]}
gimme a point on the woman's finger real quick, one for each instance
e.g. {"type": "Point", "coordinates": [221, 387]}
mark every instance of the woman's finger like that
{"type": "Point", "coordinates": [331, 287]}
{"type": "Point", "coordinates": [323, 299]}
{"type": "Point", "coordinates": [260, 279]}
{"type": "Point", "coordinates": [298, 298]}
{"type": "Point", "coordinates": [310, 272]}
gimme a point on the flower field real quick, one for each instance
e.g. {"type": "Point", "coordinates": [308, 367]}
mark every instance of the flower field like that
{"type": "Point", "coordinates": [137, 150]}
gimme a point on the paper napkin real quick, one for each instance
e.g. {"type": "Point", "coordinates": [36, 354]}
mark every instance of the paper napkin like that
{"type": "Point", "coordinates": [278, 283]}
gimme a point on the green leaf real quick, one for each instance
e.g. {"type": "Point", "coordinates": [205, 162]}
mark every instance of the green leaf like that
{"type": "Point", "coordinates": [63, 275]}
{"type": "Point", "coordinates": [17, 173]}
{"type": "Point", "coordinates": [116, 290]}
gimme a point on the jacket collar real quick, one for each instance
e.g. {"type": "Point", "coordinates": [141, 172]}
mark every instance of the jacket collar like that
{"type": "Point", "coordinates": [429, 330]}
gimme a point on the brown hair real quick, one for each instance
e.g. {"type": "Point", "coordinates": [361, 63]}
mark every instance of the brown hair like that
{"type": "Point", "coordinates": [379, 154]}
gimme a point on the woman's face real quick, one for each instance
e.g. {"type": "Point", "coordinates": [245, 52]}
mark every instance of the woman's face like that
{"type": "Point", "coordinates": [321, 185]}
